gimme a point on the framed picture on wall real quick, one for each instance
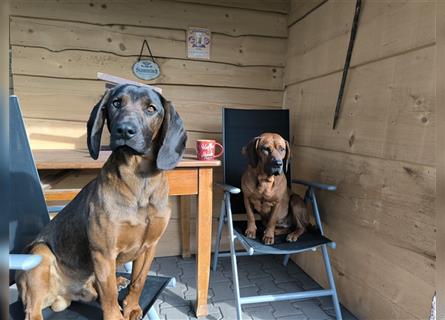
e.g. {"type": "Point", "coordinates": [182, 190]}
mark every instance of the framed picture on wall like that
{"type": "Point", "coordinates": [199, 41]}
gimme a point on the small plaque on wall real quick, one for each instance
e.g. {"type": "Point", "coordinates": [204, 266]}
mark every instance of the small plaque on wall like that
{"type": "Point", "coordinates": [198, 43]}
{"type": "Point", "coordinates": [146, 69]}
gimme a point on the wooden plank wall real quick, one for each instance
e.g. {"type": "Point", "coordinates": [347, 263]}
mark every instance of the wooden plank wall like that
{"type": "Point", "coordinates": [58, 46]}
{"type": "Point", "coordinates": [382, 154]}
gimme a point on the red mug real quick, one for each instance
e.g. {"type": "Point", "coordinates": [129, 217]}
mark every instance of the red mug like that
{"type": "Point", "coordinates": [205, 149]}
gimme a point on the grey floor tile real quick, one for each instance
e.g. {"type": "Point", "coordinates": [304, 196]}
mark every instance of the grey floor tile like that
{"type": "Point", "coordinates": [260, 312]}
{"type": "Point", "coordinates": [268, 286]}
{"type": "Point", "coordinates": [175, 313]}
{"type": "Point", "coordinates": [249, 291]}
{"type": "Point", "coordinates": [257, 275]}
{"type": "Point", "coordinates": [294, 317]}
{"type": "Point", "coordinates": [290, 286]}
{"type": "Point", "coordinates": [312, 310]}
{"type": "Point", "coordinates": [229, 311]}
{"type": "Point", "coordinates": [222, 291]}
{"type": "Point", "coordinates": [344, 313]}
{"type": "Point", "coordinates": [285, 308]}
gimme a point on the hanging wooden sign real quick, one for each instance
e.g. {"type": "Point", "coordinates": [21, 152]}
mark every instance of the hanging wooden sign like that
{"type": "Point", "coordinates": [146, 69]}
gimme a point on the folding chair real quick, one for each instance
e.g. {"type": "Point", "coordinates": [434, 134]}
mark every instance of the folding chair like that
{"type": "Point", "coordinates": [30, 215]}
{"type": "Point", "coordinates": [239, 127]}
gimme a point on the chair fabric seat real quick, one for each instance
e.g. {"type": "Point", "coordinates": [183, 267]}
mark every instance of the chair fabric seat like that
{"type": "Point", "coordinates": [307, 240]}
{"type": "Point", "coordinates": [84, 311]}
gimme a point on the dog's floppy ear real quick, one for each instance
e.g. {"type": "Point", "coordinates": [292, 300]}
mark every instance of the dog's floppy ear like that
{"type": "Point", "coordinates": [287, 157]}
{"type": "Point", "coordinates": [172, 138]}
{"type": "Point", "coordinates": [250, 151]}
{"type": "Point", "coordinates": [95, 125]}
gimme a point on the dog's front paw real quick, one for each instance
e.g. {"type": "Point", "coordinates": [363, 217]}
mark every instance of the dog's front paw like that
{"type": "Point", "coordinates": [133, 312]}
{"type": "Point", "coordinates": [268, 237]}
{"type": "Point", "coordinates": [251, 232]}
{"type": "Point", "coordinates": [293, 236]}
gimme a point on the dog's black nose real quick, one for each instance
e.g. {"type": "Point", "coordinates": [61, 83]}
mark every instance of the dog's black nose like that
{"type": "Point", "coordinates": [126, 130]}
{"type": "Point", "coordinates": [277, 163]}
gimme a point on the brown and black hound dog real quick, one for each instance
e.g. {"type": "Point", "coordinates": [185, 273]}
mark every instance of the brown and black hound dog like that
{"type": "Point", "coordinates": [266, 191]}
{"type": "Point", "coordinates": [118, 217]}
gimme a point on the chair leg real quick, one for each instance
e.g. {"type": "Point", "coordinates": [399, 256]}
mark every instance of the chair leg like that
{"type": "Point", "coordinates": [335, 301]}
{"type": "Point", "coordinates": [286, 259]}
{"type": "Point", "coordinates": [233, 258]}
{"type": "Point", "coordinates": [218, 236]}
{"type": "Point", "coordinates": [235, 278]}
{"type": "Point", "coordinates": [152, 314]}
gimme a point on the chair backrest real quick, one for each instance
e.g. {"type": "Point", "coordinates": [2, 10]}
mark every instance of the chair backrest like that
{"type": "Point", "coordinates": [239, 127]}
{"type": "Point", "coordinates": [29, 212]}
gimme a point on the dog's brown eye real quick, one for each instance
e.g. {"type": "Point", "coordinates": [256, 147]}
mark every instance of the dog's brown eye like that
{"type": "Point", "coordinates": [116, 103]}
{"type": "Point", "coordinates": [265, 149]}
{"type": "Point", "coordinates": [281, 149]}
{"type": "Point", "coordinates": [151, 108]}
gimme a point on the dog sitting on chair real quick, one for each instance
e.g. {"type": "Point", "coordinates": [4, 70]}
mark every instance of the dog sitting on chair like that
{"type": "Point", "coordinates": [266, 191]}
{"type": "Point", "coordinates": [118, 217]}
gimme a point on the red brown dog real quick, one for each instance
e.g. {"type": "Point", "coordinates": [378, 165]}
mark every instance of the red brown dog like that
{"type": "Point", "coordinates": [118, 217]}
{"type": "Point", "coordinates": [266, 191]}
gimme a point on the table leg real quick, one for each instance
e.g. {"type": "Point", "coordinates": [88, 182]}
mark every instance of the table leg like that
{"type": "Point", "coordinates": [203, 239]}
{"type": "Point", "coordinates": [185, 225]}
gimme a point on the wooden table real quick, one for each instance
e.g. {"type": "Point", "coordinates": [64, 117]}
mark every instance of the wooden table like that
{"type": "Point", "coordinates": [190, 177]}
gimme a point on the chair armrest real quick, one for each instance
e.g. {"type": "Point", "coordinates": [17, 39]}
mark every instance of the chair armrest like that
{"type": "Point", "coordinates": [23, 261]}
{"type": "Point", "coordinates": [229, 188]}
{"type": "Point", "coordinates": [317, 185]}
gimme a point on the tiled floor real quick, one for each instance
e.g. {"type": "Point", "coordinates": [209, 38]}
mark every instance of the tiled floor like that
{"type": "Point", "coordinates": [258, 275]}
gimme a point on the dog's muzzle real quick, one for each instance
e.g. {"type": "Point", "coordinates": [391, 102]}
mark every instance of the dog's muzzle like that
{"type": "Point", "coordinates": [276, 167]}
{"type": "Point", "coordinates": [127, 134]}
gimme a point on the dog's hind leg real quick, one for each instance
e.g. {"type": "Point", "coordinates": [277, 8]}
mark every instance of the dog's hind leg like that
{"type": "Point", "coordinates": [35, 285]}
{"type": "Point", "coordinates": [300, 218]}
{"type": "Point", "coordinates": [60, 304]}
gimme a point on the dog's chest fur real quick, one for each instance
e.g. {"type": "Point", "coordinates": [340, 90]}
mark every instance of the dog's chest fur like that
{"type": "Point", "coordinates": [145, 197]}
{"type": "Point", "coordinates": [264, 194]}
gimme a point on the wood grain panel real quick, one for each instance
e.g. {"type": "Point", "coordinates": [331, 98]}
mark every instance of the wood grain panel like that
{"type": "Point", "coordinates": [317, 45]}
{"type": "Point", "coordinates": [78, 64]}
{"type": "Point", "coordinates": [183, 181]}
{"type": "Point", "coordinates": [370, 194]}
{"type": "Point", "coordinates": [299, 8]}
{"type": "Point", "coordinates": [60, 195]}
{"type": "Point", "coordinates": [439, 72]}
{"type": "Point", "coordinates": [127, 40]}
{"type": "Point", "coordinates": [385, 233]}
{"type": "Point", "coordinates": [54, 134]}
{"type": "Point", "coordinates": [184, 208]}
{"type": "Point", "coordinates": [388, 110]}
{"type": "Point", "coordinates": [163, 14]}
{"type": "Point", "coordinates": [281, 6]}
{"type": "Point", "coordinates": [368, 282]}
{"type": "Point", "coordinates": [67, 99]}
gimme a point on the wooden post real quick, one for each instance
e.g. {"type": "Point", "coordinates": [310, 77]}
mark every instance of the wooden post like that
{"type": "Point", "coordinates": [440, 159]}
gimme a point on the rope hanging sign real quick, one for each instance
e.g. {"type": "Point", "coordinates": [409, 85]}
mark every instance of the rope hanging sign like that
{"type": "Point", "coordinates": [146, 69]}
